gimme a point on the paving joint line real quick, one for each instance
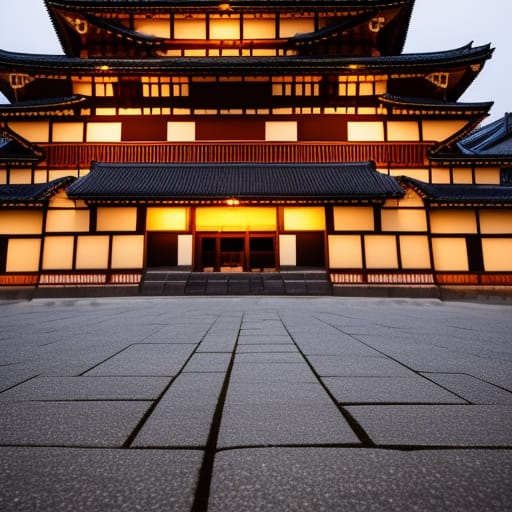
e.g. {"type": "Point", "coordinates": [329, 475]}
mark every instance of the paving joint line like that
{"type": "Point", "coordinates": [418, 373]}
{"type": "Point", "coordinates": [357, 428]}
{"type": "Point", "coordinates": [202, 494]}
{"type": "Point", "coordinates": [154, 404]}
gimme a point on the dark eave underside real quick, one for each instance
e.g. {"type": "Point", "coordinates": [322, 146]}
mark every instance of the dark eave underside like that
{"type": "Point", "coordinates": [243, 181]}
{"type": "Point", "coordinates": [251, 65]}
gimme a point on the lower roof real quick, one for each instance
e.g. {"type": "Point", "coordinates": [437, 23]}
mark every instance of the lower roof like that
{"type": "Point", "coordinates": [460, 194]}
{"type": "Point", "coordinates": [246, 181]}
{"type": "Point", "coordinates": [36, 193]}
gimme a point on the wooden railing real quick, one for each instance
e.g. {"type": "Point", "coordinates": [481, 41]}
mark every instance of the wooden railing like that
{"type": "Point", "coordinates": [72, 156]}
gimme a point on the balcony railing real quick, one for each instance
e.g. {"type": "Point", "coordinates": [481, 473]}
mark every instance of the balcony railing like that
{"type": "Point", "coordinates": [72, 156]}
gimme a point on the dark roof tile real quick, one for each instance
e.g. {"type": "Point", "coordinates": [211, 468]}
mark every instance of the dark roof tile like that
{"type": "Point", "coordinates": [33, 193]}
{"type": "Point", "coordinates": [244, 181]}
{"type": "Point", "coordinates": [460, 194]}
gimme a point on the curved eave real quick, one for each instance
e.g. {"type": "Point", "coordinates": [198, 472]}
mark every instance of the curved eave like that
{"type": "Point", "coordinates": [464, 56]}
{"type": "Point", "coordinates": [461, 159]}
{"type": "Point", "coordinates": [426, 106]}
{"type": "Point", "coordinates": [34, 194]}
{"type": "Point", "coordinates": [459, 195]}
{"type": "Point", "coordinates": [129, 5]}
{"type": "Point", "coordinates": [50, 107]}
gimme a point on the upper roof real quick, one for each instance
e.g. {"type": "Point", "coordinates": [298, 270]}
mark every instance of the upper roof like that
{"type": "Point", "coordinates": [247, 181]}
{"type": "Point", "coordinates": [447, 195]}
{"type": "Point", "coordinates": [37, 193]}
{"type": "Point", "coordinates": [102, 27]}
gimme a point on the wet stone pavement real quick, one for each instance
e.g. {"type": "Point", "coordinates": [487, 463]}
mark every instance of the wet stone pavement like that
{"type": "Point", "coordinates": [255, 404]}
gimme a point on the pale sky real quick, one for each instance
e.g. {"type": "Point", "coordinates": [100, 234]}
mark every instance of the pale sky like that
{"type": "Point", "coordinates": [436, 25]}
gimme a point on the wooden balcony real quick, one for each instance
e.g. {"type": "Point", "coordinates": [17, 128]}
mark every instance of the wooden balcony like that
{"type": "Point", "coordinates": [74, 155]}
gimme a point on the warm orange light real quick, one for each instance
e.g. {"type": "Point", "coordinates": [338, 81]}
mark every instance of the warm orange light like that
{"type": "Point", "coordinates": [225, 7]}
{"type": "Point", "coordinates": [104, 67]}
{"type": "Point", "coordinates": [232, 201]}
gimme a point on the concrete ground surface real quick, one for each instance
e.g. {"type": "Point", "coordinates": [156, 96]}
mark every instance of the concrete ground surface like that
{"type": "Point", "coordinates": [255, 404]}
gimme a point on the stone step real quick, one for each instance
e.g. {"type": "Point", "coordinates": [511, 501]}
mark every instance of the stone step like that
{"type": "Point", "coordinates": [168, 282]}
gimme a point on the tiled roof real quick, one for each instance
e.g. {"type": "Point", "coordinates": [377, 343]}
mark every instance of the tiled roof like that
{"type": "Point", "coordinates": [490, 140]}
{"type": "Point", "coordinates": [428, 103]}
{"type": "Point", "coordinates": [50, 105]}
{"type": "Point", "coordinates": [465, 55]}
{"type": "Point", "coordinates": [460, 194]}
{"type": "Point", "coordinates": [244, 181]}
{"type": "Point", "coordinates": [34, 193]}
{"type": "Point", "coordinates": [191, 3]}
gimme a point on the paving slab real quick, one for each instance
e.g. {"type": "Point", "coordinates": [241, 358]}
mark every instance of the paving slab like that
{"type": "Point", "coordinates": [388, 390]}
{"type": "Point", "coordinates": [272, 372]}
{"type": "Point", "coordinates": [184, 415]}
{"type": "Point", "coordinates": [208, 362]}
{"type": "Point", "coordinates": [88, 388]}
{"type": "Point", "coordinates": [86, 480]}
{"type": "Point", "coordinates": [436, 425]}
{"type": "Point", "coordinates": [358, 366]}
{"type": "Point", "coordinates": [149, 360]}
{"type": "Point", "coordinates": [336, 479]}
{"type": "Point", "coordinates": [79, 424]}
{"type": "Point", "coordinates": [472, 389]}
{"type": "Point", "coordinates": [281, 413]}
{"type": "Point", "coordinates": [270, 357]}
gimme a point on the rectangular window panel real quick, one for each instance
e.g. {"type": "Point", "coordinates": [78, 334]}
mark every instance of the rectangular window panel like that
{"type": "Point", "coordinates": [186, 27]}
{"type": "Point", "coordinates": [381, 252]}
{"type": "Point", "coordinates": [403, 130]}
{"type": "Point", "coordinates": [181, 131]}
{"type": "Point", "coordinates": [92, 252]}
{"type": "Point", "coordinates": [450, 254]}
{"type": "Point", "coordinates": [116, 219]}
{"type": "Point", "coordinates": [345, 251]}
{"type": "Point", "coordinates": [353, 218]}
{"type": "Point", "coordinates": [58, 253]}
{"type": "Point", "coordinates": [68, 132]}
{"type": "Point", "coordinates": [167, 219]}
{"type": "Point", "coordinates": [103, 132]}
{"type": "Point", "coordinates": [21, 222]}
{"type": "Point", "coordinates": [23, 255]}
{"type": "Point", "coordinates": [281, 131]}
{"type": "Point", "coordinates": [414, 252]}
{"type": "Point", "coordinates": [304, 218]}
{"type": "Point", "coordinates": [446, 221]}
{"type": "Point", "coordinates": [128, 252]}
{"type": "Point", "coordinates": [224, 28]}
{"type": "Point", "coordinates": [61, 221]}
{"type": "Point", "coordinates": [403, 220]}
{"type": "Point", "coordinates": [365, 131]}
{"type": "Point", "coordinates": [497, 254]}
{"type": "Point", "coordinates": [259, 28]}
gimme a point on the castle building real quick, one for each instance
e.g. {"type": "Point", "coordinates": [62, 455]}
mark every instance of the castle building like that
{"type": "Point", "coordinates": [249, 136]}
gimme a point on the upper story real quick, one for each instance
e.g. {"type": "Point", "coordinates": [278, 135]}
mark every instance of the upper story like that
{"type": "Point", "coordinates": [156, 28]}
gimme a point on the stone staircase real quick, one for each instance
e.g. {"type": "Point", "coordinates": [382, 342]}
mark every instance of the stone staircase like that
{"type": "Point", "coordinates": [179, 282]}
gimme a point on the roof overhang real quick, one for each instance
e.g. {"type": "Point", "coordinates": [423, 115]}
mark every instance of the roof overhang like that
{"type": "Point", "coordinates": [250, 183]}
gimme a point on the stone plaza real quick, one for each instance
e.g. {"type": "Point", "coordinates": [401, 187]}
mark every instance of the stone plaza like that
{"type": "Point", "coordinates": [255, 404]}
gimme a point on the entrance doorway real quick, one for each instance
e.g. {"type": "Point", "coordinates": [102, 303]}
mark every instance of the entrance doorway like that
{"type": "Point", "coordinates": [235, 252]}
